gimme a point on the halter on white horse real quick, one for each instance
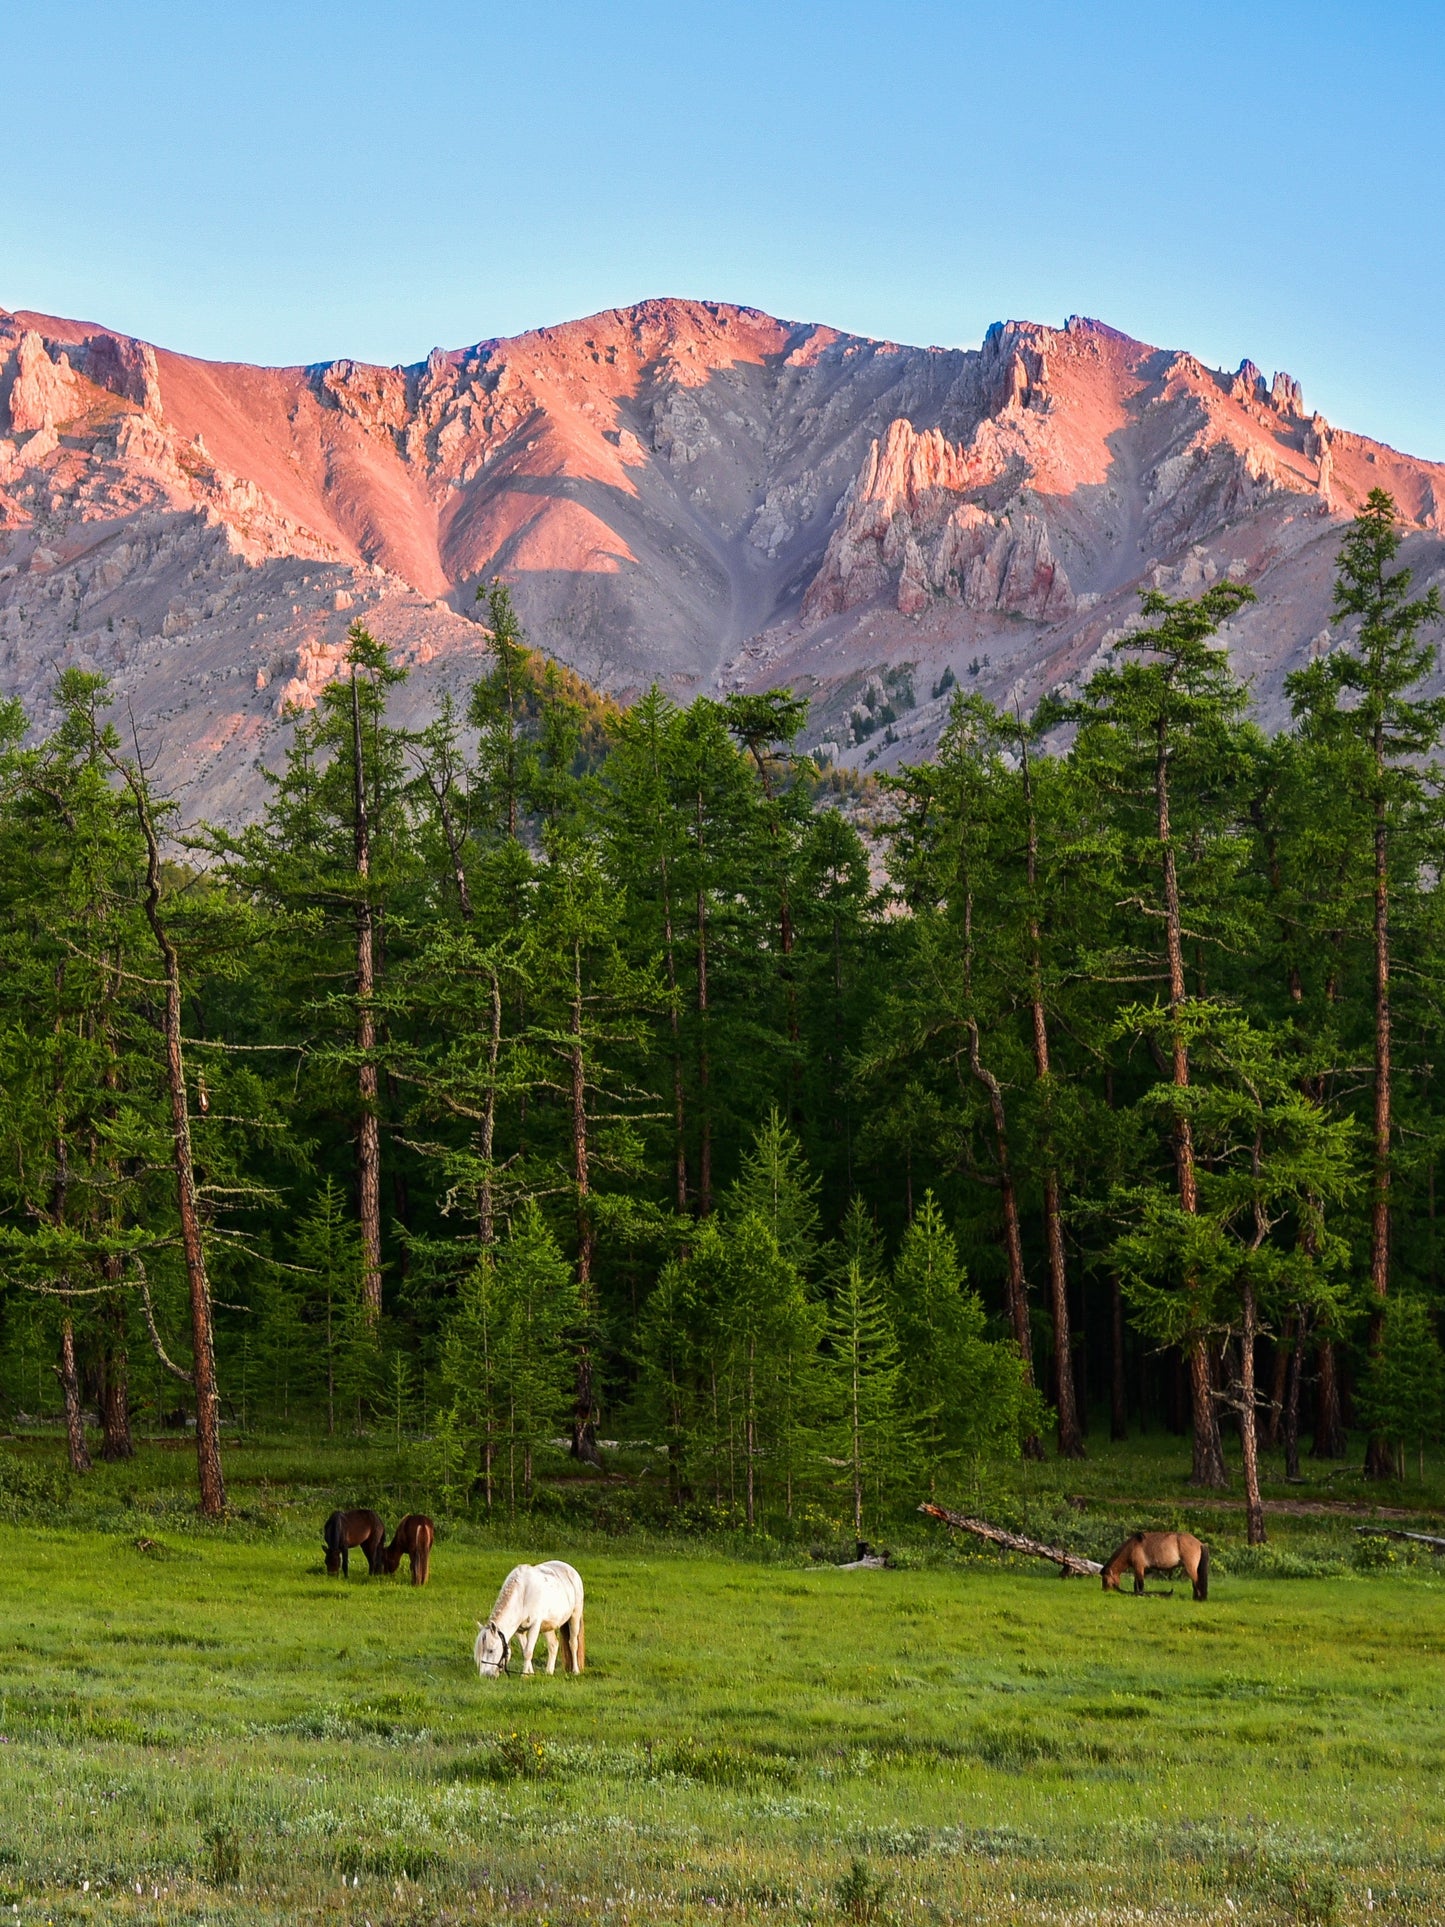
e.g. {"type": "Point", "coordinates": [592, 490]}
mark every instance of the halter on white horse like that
{"type": "Point", "coordinates": [535, 1600]}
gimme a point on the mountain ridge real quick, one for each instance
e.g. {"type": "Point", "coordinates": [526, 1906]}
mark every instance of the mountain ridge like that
{"type": "Point", "coordinates": [693, 492]}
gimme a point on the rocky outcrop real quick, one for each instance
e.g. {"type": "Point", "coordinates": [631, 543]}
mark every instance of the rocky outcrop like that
{"type": "Point", "coordinates": [913, 525]}
{"type": "Point", "coordinates": [123, 367]}
{"type": "Point", "coordinates": [42, 392]}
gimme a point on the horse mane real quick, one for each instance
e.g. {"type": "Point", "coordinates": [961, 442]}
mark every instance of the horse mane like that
{"type": "Point", "coordinates": [511, 1586]}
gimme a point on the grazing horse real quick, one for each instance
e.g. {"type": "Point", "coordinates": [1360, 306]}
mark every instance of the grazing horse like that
{"type": "Point", "coordinates": [343, 1530]}
{"type": "Point", "coordinates": [534, 1599]}
{"type": "Point", "coordinates": [1145, 1552]}
{"type": "Point", "coordinates": [413, 1537]}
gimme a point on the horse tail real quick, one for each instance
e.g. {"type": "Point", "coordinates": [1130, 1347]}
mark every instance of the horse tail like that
{"type": "Point", "coordinates": [1201, 1582]}
{"type": "Point", "coordinates": [581, 1640]}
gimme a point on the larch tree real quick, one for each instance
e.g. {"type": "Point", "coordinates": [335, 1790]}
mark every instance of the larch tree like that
{"type": "Point", "coordinates": [1365, 699]}
{"type": "Point", "coordinates": [329, 858]}
{"type": "Point", "coordinates": [1162, 733]}
{"type": "Point", "coordinates": [1250, 1241]}
{"type": "Point", "coordinates": [873, 1434]}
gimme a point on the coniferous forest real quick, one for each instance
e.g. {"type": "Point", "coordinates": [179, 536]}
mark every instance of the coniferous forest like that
{"type": "Point", "coordinates": [570, 1071]}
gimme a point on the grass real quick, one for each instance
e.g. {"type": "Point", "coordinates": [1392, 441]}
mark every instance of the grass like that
{"type": "Point", "coordinates": [200, 1725]}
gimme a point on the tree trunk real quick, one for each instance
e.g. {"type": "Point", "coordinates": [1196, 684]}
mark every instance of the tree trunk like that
{"type": "Point", "coordinates": [1016, 1285]}
{"type": "Point", "coordinates": [1377, 1453]}
{"type": "Point", "coordinates": [1292, 1397]}
{"type": "Point", "coordinates": [674, 1016]}
{"type": "Point", "coordinates": [584, 1413]}
{"type": "Point", "coordinates": [1208, 1463]}
{"type": "Point", "coordinates": [1070, 1437]}
{"type": "Point", "coordinates": [208, 1434]}
{"type": "Point", "coordinates": [70, 1391]}
{"type": "Point", "coordinates": [750, 1439]}
{"type": "Point", "coordinates": [704, 1160]}
{"type": "Point", "coordinates": [1283, 1352]}
{"type": "Point", "coordinates": [454, 845]}
{"type": "Point", "coordinates": [1208, 1450]}
{"type": "Point", "coordinates": [785, 925]}
{"type": "Point", "coordinates": [487, 1212]}
{"type": "Point", "coordinates": [1118, 1388]}
{"type": "Point", "coordinates": [844, 1122]}
{"type": "Point", "coordinates": [1070, 1564]}
{"type": "Point", "coordinates": [857, 1462]}
{"type": "Point", "coordinates": [1248, 1430]}
{"type": "Point", "coordinates": [1329, 1439]}
{"type": "Point", "coordinates": [368, 1139]}
{"type": "Point", "coordinates": [117, 1443]}
{"type": "Point", "coordinates": [116, 1440]}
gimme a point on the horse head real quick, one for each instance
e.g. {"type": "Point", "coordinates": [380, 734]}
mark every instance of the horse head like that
{"type": "Point", "coordinates": [492, 1651]}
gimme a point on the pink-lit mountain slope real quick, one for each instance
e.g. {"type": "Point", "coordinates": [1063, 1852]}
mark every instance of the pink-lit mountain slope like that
{"type": "Point", "coordinates": [682, 490]}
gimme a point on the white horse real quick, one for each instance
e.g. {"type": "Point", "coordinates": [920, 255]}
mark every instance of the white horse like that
{"type": "Point", "coordinates": [534, 1599]}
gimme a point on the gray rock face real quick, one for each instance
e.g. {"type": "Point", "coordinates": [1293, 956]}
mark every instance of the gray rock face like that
{"type": "Point", "coordinates": [681, 491]}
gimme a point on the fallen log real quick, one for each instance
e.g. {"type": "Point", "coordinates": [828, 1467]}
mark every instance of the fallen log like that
{"type": "Point", "coordinates": [1070, 1565]}
{"type": "Point", "coordinates": [1430, 1539]}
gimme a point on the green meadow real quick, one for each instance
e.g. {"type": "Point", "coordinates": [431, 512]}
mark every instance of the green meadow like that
{"type": "Point", "coordinates": [199, 1725]}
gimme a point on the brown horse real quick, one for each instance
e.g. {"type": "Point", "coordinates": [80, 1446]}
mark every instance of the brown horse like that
{"type": "Point", "coordinates": [343, 1530]}
{"type": "Point", "coordinates": [413, 1537]}
{"type": "Point", "coordinates": [1145, 1552]}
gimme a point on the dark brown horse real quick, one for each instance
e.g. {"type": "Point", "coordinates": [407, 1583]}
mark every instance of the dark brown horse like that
{"type": "Point", "coordinates": [413, 1537]}
{"type": "Point", "coordinates": [1145, 1552]}
{"type": "Point", "coordinates": [343, 1530]}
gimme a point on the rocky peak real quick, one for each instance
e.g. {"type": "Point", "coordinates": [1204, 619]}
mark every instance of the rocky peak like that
{"type": "Point", "coordinates": [1285, 395]}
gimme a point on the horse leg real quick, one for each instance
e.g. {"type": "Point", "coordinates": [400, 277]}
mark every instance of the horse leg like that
{"type": "Point", "coordinates": [346, 1562]}
{"type": "Point", "coordinates": [1139, 1570]}
{"type": "Point", "coordinates": [529, 1641]}
{"type": "Point", "coordinates": [551, 1638]}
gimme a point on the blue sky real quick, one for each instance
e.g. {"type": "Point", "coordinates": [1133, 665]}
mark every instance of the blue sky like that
{"type": "Point", "coordinates": [291, 182]}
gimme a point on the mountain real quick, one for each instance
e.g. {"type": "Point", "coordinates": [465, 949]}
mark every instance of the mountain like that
{"type": "Point", "coordinates": [681, 491]}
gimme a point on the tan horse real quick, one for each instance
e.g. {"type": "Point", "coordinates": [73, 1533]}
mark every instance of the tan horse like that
{"type": "Point", "coordinates": [412, 1539]}
{"type": "Point", "coordinates": [1145, 1552]}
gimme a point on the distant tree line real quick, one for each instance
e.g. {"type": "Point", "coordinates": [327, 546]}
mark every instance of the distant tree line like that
{"type": "Point", "coordinates": [562, 1061]}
